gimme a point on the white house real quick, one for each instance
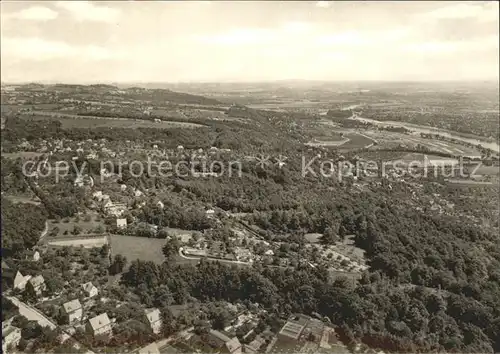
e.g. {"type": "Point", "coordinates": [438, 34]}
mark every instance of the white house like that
{"type": "Point", "coordinates": [100, 326]}
{"type": "Point", "coordinates": [90, 290]}
{"type": "Point", "coordinates": [72, 311]}
{"type": "Point", "coordinates": [160, 205]}
{"type": "Point", "coordinates": [10, 338]}
{"type": "Point", "coordinates": [153, 317]}
{"type": "Point", "coordinates": [121, 223]}
{"type": "Point", "coordinates": [20, 281]}
{"type": "Point", "coordinates": [36, 256]}
{"type": "Point", "coordinates": [138, 193]}
{"type": "Point", "coordinates": [78, 181]}
{"type": "Point", "coordinates": [97, 195]}
{"type": "Point", "coordinates": [36, 285]}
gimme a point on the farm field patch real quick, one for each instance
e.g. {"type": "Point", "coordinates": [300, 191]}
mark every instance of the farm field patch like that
{"type": "Point", "coordinates": [21, 154]}
{"type": "Point", "coordinates": [394, 139]}
{"type": "Point", "coordinates": [357, 141]}
{"type": "Point", "coordinates": [86, 242]}
{"type": "Point", "coordinates": [134, 247]}
{"type": "Point", "coordinates": [22, 199]}
{"type": "Point", "coordinates": [74, 121]}
{"type": "Point", "coordinates": [72, 227]}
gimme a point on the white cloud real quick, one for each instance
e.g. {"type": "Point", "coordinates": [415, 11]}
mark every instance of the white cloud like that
{"type": "Point", "coordinates": [87, 11]}
{"type": "Point", "coordinates": [323, 4]}
{"type": "Point", "coordinates": [40, 49]}
{"type": "Point", "coordinates": [431, 47]}
{"type": "Point", "coordinates": [485, 11]}
{"type": "Point", "coordinates": [243, 36]}
{"type": "Point", "coordinates": [334, 56]}
{"type": "Point", "coordinates": [362, 38]}
{"type": "Point", "coordinates": [438, 47]}
{"type": "Point", "coordinates": [34, 13]}
{"type": "Point", "coordinates": [297, 27]}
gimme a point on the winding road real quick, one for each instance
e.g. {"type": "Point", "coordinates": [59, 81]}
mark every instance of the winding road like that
{"type": "Point", "coordinates": [33, 314]}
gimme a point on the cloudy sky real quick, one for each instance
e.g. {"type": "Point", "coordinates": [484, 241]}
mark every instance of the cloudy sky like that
{"type": "Point", "coordinates": [155, 41]}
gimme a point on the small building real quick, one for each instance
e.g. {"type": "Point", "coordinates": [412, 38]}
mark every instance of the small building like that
{"type": "Point", "coordinates": [160, 204]}
{"type": "Point", "coordinates": [153, 317]}
{"type": "Point", "coordinates": [293, 327]}
{"type": "Point", "coordinates": [90, 290]}
{"type": "Point", "coordinates": [36, 256]}
{"type": "Point", "coordinates": [121, 223]}
{"type": "Point", "coordinates": [100, 326]}
{"type": "Point", "coordinates": [10, 338]}
{"type": "Point", "coordinates": [243, 254]}
{"type": "Point", "coordinates": [78, 181]}
{"type": "Point", "coordinates": [20, 281]}
{"type": "Point", "coordinates": [36, 285]}
{"type": "Point", "coordinates": [226, 344]}
{"type": "Point", "coordinates": [138, 193]}
{"type": "Point", "coordinates": [72, 311]}
{"type": "Point", "coordinates": [115, 209]}
{"type": "Point", "coordinates": [254, 346]}
{"type": "Point", "coordinates": [269, 253]}
{"type": "Point", "coordinates": [97, 195]}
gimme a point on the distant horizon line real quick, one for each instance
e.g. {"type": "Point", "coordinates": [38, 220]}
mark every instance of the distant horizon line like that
{"type": "Point", "coordinates": [111, 83]}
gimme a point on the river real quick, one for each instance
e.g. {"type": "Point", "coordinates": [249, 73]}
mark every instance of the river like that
{"type": "Point", "coordinates": [492, 145]}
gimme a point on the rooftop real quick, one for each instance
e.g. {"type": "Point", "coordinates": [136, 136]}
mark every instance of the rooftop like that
{"type": "Point", "coordinates": [72, 306]}
{"type": "Point", "coordinates": [37, 281]}
{"type": "Point", "coordinates": [153, 315]}
{"type": "Point", "coordinates": [220, 336]}
{"type": "Point", "coordinates": [88, 286]}
{"type": "Point", "coordinates": [294, 327]}
{"type": "Point", "coordinates": [99, 321]}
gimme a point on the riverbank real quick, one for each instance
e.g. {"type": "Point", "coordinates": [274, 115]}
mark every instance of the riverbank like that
{"type": "Point", "coordinates": [470, 139]}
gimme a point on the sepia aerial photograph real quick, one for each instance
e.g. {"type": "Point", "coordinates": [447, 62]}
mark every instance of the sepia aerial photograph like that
{"type": "Point", "coordinates": [310, 177]}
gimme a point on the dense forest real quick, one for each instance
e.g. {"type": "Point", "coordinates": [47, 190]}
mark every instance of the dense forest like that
{"type": "Point", "coordinates": [22, 225]}
{"type": "Point", "coordinates": [433, 282]}
{"type": "Point", "coordinates": [382, 312]}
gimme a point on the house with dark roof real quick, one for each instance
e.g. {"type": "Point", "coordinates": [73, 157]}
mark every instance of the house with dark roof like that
{"type": "Point", "coordinates": [226, 344]}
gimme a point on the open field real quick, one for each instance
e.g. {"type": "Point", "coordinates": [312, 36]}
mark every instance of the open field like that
{"type": "Point", "coordinates": [488, 170]}
{"type": "Point", "coordinates": [22, 199]}
{"type": "Point", "coordinates": [394, 139]}
{"type": "Point", "coordinates": [64, 229]}
{"type": "Point", "coordinates": [74, 121]}
{"type": "Point", "coordinates": [82, 241]}
{"type": "Point", "coordinates": [357, 141]}
{"type": "Point", "coordinates": [471, 183]}
{"type": "Point", "coordinates": [21, 154]}
{"type": "Point", "coordinates": [133, 247]}
{"type": "Point", "coordinates": [313, 237]}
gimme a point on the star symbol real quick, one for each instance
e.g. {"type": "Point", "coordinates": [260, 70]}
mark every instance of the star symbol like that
{"type": "Point", "coordinates": [262, 160]}
{"type": "Point", "coordinates": [280, 160]}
